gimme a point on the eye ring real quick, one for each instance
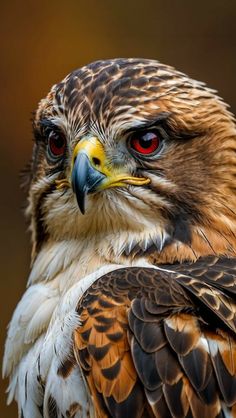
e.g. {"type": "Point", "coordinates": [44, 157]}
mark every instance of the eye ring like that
{"type": "Point", "coordinates": [146, 143]}
{"type": "Point", "coordinates": [56, 145]}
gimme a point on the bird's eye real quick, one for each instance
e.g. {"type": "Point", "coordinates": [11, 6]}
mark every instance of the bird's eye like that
{"type": "Point", "coordinates": [145, 143]}
{"type": "Point", "coordinates": [56, 144]}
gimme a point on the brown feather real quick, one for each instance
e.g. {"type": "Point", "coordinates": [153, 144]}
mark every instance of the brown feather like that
{"type": "Point", "coordinates": [186, 365]}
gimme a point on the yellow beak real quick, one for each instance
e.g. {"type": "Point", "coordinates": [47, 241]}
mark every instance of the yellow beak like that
{"type": "Point", "coordinates": [92, 171]}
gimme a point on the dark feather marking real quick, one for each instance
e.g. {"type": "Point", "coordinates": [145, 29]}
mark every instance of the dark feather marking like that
{"type": "Point", "coordinates": [153, 122]}
{"type": "Point", "coordinates": [105, 303]}
{"type": "Point", "coordinates": [182, 230]}
{"type": "Point", "coordinates": [65, 368]}
{"type": "Point", "coordinates": [197, 367]}
{"type": "Point", "coordinates": [158, 403]}
{"type": "Point", "coordinates": [149, 334]}
{"type": "Point", "coordinates": [103, 320]}
{"type": "Point", "coordinates": [112, 372]}
{"type": "Point", "coordinates": [182, 343]}
{"type": "Point", "coordinates": [72, 411]}
{"type": "Point", "coordinates": [85, 335]}
{"type": "Point", "coordinates": [40, 408]}
{"type": "Point", "coordinates": [115, 337]}
{"type": "Point", "coordinates": [92, 311]}
{"type": "Point", "coordinates": [52, 407]}
{"type": "Point", "coordinates": [167, 365]}
{"type": "Point", "coordinates": [227, 383]}
{"type": "Point", "coordinates": [207, 240]}
{"type": "Point", "coordinates": [26, 378]}
{"type": "Point", "coordinates": [144, 365]}
{"type": "Point", "coordinates": [134, 403]}
{"type": "Point", "coordinates": [84, 359]}
{"type": "Point", "coordinates": [172, 393]}
{"type": "Point", "coordinates": [102, 328]}
{"type": "Point", "coordinates": [98, 353]}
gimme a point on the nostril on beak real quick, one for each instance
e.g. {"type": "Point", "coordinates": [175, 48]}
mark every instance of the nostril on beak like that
{"type": "Point", "coordinates": [96, 162]}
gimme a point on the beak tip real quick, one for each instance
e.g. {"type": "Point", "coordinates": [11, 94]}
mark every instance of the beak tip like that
{"type": "Point", "coordinates": [82, 209]}
{"type": "Point", "coordinates": [81, 202]}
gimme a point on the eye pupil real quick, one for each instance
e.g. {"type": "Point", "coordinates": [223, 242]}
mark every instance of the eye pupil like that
{"type": "Point", "coordinates": [146, 143]}
{"type": "Point", "coordinates": [59, 142]}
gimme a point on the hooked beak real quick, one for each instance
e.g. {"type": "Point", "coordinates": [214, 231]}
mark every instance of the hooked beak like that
{"type": "Point", "coordinates": [91, 171]}
{"type": "Point", "coordinates": [84, 179]}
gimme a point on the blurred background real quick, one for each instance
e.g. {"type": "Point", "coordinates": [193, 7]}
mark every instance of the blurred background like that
{"type": "Point", "coordinates": [42, 41]}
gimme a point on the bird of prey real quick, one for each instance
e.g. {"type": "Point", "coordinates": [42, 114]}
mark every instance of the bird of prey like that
{"type": "Point", "coordinates": [130, 309]}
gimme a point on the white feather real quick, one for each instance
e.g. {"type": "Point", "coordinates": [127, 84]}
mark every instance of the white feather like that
{"type": "Point", "coordinates": [31, 307]}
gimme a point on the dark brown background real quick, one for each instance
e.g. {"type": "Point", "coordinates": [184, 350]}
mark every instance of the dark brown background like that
{"type": "Point", "coordinates": [42, 41]}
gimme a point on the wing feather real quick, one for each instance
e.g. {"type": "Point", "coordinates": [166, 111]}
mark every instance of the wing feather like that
{"type": "Point", "coordinates": [160, 343]}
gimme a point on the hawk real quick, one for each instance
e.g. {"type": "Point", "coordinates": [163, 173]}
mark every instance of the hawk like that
{"type": "Point", "coordinates": [130, 309]}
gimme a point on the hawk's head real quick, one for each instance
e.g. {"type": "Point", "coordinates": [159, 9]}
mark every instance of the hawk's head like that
{"type": "Point", "coordinates": [137, 155]}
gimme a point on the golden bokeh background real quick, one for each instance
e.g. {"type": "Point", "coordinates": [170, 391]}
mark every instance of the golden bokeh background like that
{"type": "Point", "coordinates": [42, 41]}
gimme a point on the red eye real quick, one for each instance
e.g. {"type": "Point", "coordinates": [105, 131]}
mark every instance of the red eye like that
{"type": "Point", "coordinates": [57, 144]}
{"type": "Point", "coordinates": [146, 143]}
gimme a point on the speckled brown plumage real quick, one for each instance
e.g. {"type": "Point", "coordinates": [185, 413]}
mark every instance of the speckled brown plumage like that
{"type": "Point", "coordinates": [180, 329]}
